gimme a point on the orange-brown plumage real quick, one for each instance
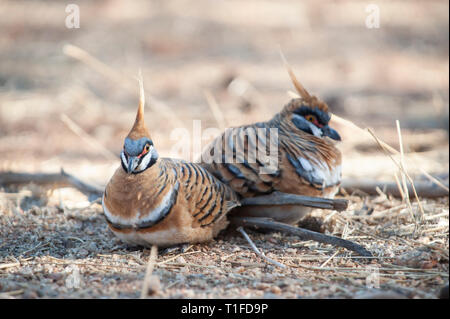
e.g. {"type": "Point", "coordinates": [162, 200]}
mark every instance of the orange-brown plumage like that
{"type": "Point", "coordinates": [161, 201]}
{"type": "Point", "coordinates": [197, 213]}
{"type": "Point", "coordinates": [292, 144]}
{"type": "Point", "coordinates": [308, 163]}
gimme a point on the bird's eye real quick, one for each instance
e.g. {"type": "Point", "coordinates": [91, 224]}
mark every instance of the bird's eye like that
{"type": "Point", "coordinates": [311, 118]}
{"type": "Point", "coordinates": [146, 148]}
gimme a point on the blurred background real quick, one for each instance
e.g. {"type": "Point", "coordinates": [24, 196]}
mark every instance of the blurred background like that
{"type": "Point", "coordinates": [60, 111]}
{"type": "Point", "coordinates": [68, 97]}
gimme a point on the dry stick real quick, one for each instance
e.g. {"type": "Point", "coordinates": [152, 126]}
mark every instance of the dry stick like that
{"type": "Point", "coordinates": [330, 258]}
{"type": "Point", "coordinates": [402, 164]}
{"type": "Point", "coordinates": [256, 250]}
{"type": "Point", "coordinates": [397, 181]}
{"type": "Point", "coordinates": [176, 256]}
{"type": "Point", "coordinates": [3, 266]}
{"type": "Point", "coordinates": [279, 198]}
{"type": "Point", "coordinates": [401, 168]}
{"type": "Point", "coordinates": [148, 272]}
{"type": "Point", "coordinates": [403, 176]}
{"type": "Point", "coordinates": [107, 71]}
{"type": "Point", "coordinates": [385, 212]}
{"type": "Point", "coordinates": [430, 177]}
{"type": "Point", "coordinates": [62, 179]}
{"type": "Point", "coordinates": [175, 264]}
{"type": "Point", "coordinates": [74, 127]}
{"type": "Point", "coordinates": [303, 233]}
{"type": "Point", "coordinates": [82, 186]}
{"type": "Point", "coordinates": [10, 294]}
{"type": "Point", "coordinates": [387, 147]}
{"type": "Point", "coordinates": [435, 229]}
{"type": "Point", "coordinates": [368, 186]}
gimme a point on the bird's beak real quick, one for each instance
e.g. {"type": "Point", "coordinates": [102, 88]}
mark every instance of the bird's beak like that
{"type": "Point", "coordinates": [331, 133]}
{"type": "Point", "coordinates": [133, 162]}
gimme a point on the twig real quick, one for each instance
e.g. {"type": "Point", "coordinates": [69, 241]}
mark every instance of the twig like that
{"type": "Point", "coordinates": [176, 256]}
{"type": "Point", "coordinates": [328, 260]}
{"type": "Point", "coordinates": [392, 150]}
{"type": "Point", "coordinates": [423, 189]}
{"type": "Point", "coordinates": [34, 248]}
{"type": "Point", "coordinates": [403, 165]}
{"type": "Point", "coordinates": [278, 198]}
{"type": "Point", "coordinates": [62, 179]}
{"type": "Point", "coordinates": [82, 186]}
{"type": "Point", "coordinates": [174, 283]}
{"type": "Point", "coordinates": [435, 180]}
{"type": "Point", "coordinates": [3, 266]}
{"type": "Point", "coordinates": [148, 272]}
{"type": "Point", "coordinates": [399, 186]}
{"type": "Point", "coordinates": [76, 238]}
{"type": "Point", "coordinates": [402, 169]}
{"type": "Point", "coordinates": [403, 176]}
{"type": "Point", "coordinates": [302, 233]}
{"type": "Point", "coordinates": [256, 250]}
{"type": "Point", "coordinates": [10, 294]}
{"type": "Point", "coordinates": [177, 264]}
{"type": "Point", "coordinates": [74, 127]}
{"type": "Point", "coordinates": [386, 212]}
{"type": "Point", "coordinates": [319, 258]}
{"type": "Point", "coordinates": [435, 229]}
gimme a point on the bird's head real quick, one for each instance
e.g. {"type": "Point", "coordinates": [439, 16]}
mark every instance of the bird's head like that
{"type": "Point", "coordinates": [308, 113]}
{"type": "Point", "coordinates": [138, 152]}
{"type": "Point", "coordinates": [310, 118]}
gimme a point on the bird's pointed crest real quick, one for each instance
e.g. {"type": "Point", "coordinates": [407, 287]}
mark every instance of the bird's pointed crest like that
{"type": "Point", "coordinates": [311, 100]}
{"type": "Point", "coordinates": [139, 128]}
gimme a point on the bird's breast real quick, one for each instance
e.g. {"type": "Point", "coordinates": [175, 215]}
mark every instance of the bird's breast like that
{"type": "Point", "coordinates": [138, 201]}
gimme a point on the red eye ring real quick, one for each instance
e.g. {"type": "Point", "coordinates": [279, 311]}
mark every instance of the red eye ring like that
{"type": "Point", "coordinates": [145, 150]}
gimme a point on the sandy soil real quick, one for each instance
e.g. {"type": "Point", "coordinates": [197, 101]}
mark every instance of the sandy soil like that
{"type": "Point", "coordinates": [55, 244]}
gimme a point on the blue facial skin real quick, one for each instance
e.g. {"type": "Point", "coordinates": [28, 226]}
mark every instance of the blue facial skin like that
{"type": "Point", "coordinates": [132, 149]}
{"type": "Point", "coordinates": [323, 118]}
{"type": "Point", "coordinates": [302, 124]}
{"type": "Point", "coordinates": [135, 147]}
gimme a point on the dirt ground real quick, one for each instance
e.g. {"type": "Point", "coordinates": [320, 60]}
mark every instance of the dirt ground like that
{"type": "Point", "coordinates": [61, 108]}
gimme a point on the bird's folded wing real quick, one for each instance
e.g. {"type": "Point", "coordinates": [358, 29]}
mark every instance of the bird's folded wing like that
{"type": "Point", "coordinates": [208, 198]}
{"type": "Point", "coordinates": [239, 160]}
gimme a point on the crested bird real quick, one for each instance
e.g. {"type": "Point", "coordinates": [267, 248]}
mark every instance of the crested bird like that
{"type": "Point", "coordinates": [162, 201]}
{"type": "Point", "coordinates": [306, 160]}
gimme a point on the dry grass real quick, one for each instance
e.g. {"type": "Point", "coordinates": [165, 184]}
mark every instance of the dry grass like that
{"type": "Point", "coordinates": [56, 244]}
